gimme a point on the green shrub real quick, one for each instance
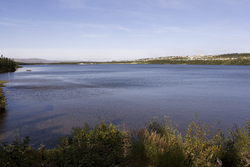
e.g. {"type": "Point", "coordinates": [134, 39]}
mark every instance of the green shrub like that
{"type": "Point", "coordinates": [19, 153]}
{"type": "Point", "coordinates": [203, 146]}
{"type": "Point", "coordinates": [157, 145]}
{"type": "Point", "coordinates": [239, 145]}
{"type": "Point", "coordinates": [101, 145]}
{"type": "Point", "coordinates": [2, 98]}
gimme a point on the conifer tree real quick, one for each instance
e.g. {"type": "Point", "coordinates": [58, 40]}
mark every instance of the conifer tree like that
{"type": "Point", "coordinates": [6, 64]}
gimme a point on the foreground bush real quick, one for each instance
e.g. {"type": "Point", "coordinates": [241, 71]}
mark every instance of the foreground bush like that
{"type": "Point", "coordinates": [159, 144]}
{"type": "Point", "coordinates": [19, 153]}
{"type": "Point", "coordinates": [98, 146]}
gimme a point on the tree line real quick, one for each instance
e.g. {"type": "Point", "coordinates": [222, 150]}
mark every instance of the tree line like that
{"type": "Point", "coordinates": [223, 59]}
{"type": "Point", "coordinates": [7, 64]}
{"type": "Point", "coordinates": [200, 62]}
{"type": "Point", "coordinates": [233, 55]}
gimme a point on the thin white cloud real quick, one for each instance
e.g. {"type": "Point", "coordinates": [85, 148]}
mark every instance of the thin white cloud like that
{"type": "Point", "coordinates": [87, 25]}
{"type": "Point", "coordinates": [177, 4]}
{"type": "Point", "coordinates": [141, 35]}
{"type": "Point", "coordinates": [8, 24]}
{"type": "Point", "coordinates": [149, 4]}
{"type": "Point", "coordinates": [59, 25]}
{"type": "Point", "coordinates": [101, 26]}
{"type": "Point", "coordinates": [164, 30]}
{"type": "Point", "coordinates": [72, 4]}
{"type": "Point", "coordinates": [19, 22]}
{"type": "Point", "coordinates": [234, 36]}
{"type": "Point", "coordinates": [93, 35]}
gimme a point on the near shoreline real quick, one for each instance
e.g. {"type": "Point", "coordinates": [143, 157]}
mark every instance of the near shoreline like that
{"type": "Point", "coordinates": [2, 98]}
{"type": "Point", "coordinates": [159, 144]}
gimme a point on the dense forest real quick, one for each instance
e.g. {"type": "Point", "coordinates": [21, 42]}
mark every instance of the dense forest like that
{"type": "Point", "coordinates": [7, 65]}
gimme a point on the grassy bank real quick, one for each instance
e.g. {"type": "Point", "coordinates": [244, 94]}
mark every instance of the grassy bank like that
{"type": "Point", "coordinates": [2, 98]}
{"type": "Point", "coordinates": [158, 144]}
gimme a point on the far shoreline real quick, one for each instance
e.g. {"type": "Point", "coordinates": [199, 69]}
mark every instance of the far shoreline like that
{"type": "Point", "coordinates": [224, 59]}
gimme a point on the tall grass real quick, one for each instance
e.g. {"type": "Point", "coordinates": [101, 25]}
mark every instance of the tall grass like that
{"type": "Point", "coordinates": [159, 144]}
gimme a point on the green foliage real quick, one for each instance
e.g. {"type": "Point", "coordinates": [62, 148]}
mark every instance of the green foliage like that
{"type": "Point", "coordinates": [240, 144]}
{"type": "Point", "coordinates": [234, 55]}
{"type": "Point", "coordinates": [223, 59]}
{"type": "Point", "coordinates": [19, 153]}
{"type": "Point", "coordinates": [159, 144]}
{"type": "Point", "coordinates": [202, 145]}
{"type": "Point", "coordinates": [7, 65]}
{"type": "Point", "coordinates": [101, 145]}
{"type": "Point", "coordinates": [201, 62]}
{"type": "Point", "coordinates": [156, 126]}
{"type": "Point", "coordinates": [2, 98]}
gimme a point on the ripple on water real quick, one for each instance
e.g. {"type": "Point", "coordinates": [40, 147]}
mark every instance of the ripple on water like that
{"type": "Point", "coordinates": [50, 100]}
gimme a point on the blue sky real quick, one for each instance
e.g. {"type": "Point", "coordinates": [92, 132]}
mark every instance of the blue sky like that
{"type": "Point", "coordinates": [103, 30]}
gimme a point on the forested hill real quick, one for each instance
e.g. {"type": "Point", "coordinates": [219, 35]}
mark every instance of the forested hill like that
{"type": "Point", "coordinates": [7, 65]}
{"type": "Point", "coordinates": [223, 59]}
{"type": "Point", "coordinates": [234, 55]}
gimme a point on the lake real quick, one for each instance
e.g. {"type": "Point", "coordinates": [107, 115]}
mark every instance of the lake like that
{"type": "Point", "coordinates": [49, 100]}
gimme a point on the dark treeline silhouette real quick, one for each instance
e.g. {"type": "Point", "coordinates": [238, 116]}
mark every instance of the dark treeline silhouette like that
{"type": "Point", "coordinates": [7, 65]}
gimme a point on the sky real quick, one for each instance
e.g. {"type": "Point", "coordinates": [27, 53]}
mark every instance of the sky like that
{"type": "Point", "coordinates": [106, 30]}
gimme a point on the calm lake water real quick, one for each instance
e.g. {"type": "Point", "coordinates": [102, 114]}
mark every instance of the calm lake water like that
{"type": "Point", "coordinates": [51, 99]}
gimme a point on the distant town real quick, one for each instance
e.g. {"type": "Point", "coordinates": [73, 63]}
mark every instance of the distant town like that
{"type": "Point", "coordinates": [223, 59]}
{"type": "Point", "coordinates": [195, 57]}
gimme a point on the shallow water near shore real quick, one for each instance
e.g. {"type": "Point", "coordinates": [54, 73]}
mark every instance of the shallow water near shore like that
{"type": "Point", "coordinates": [51, 99]}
